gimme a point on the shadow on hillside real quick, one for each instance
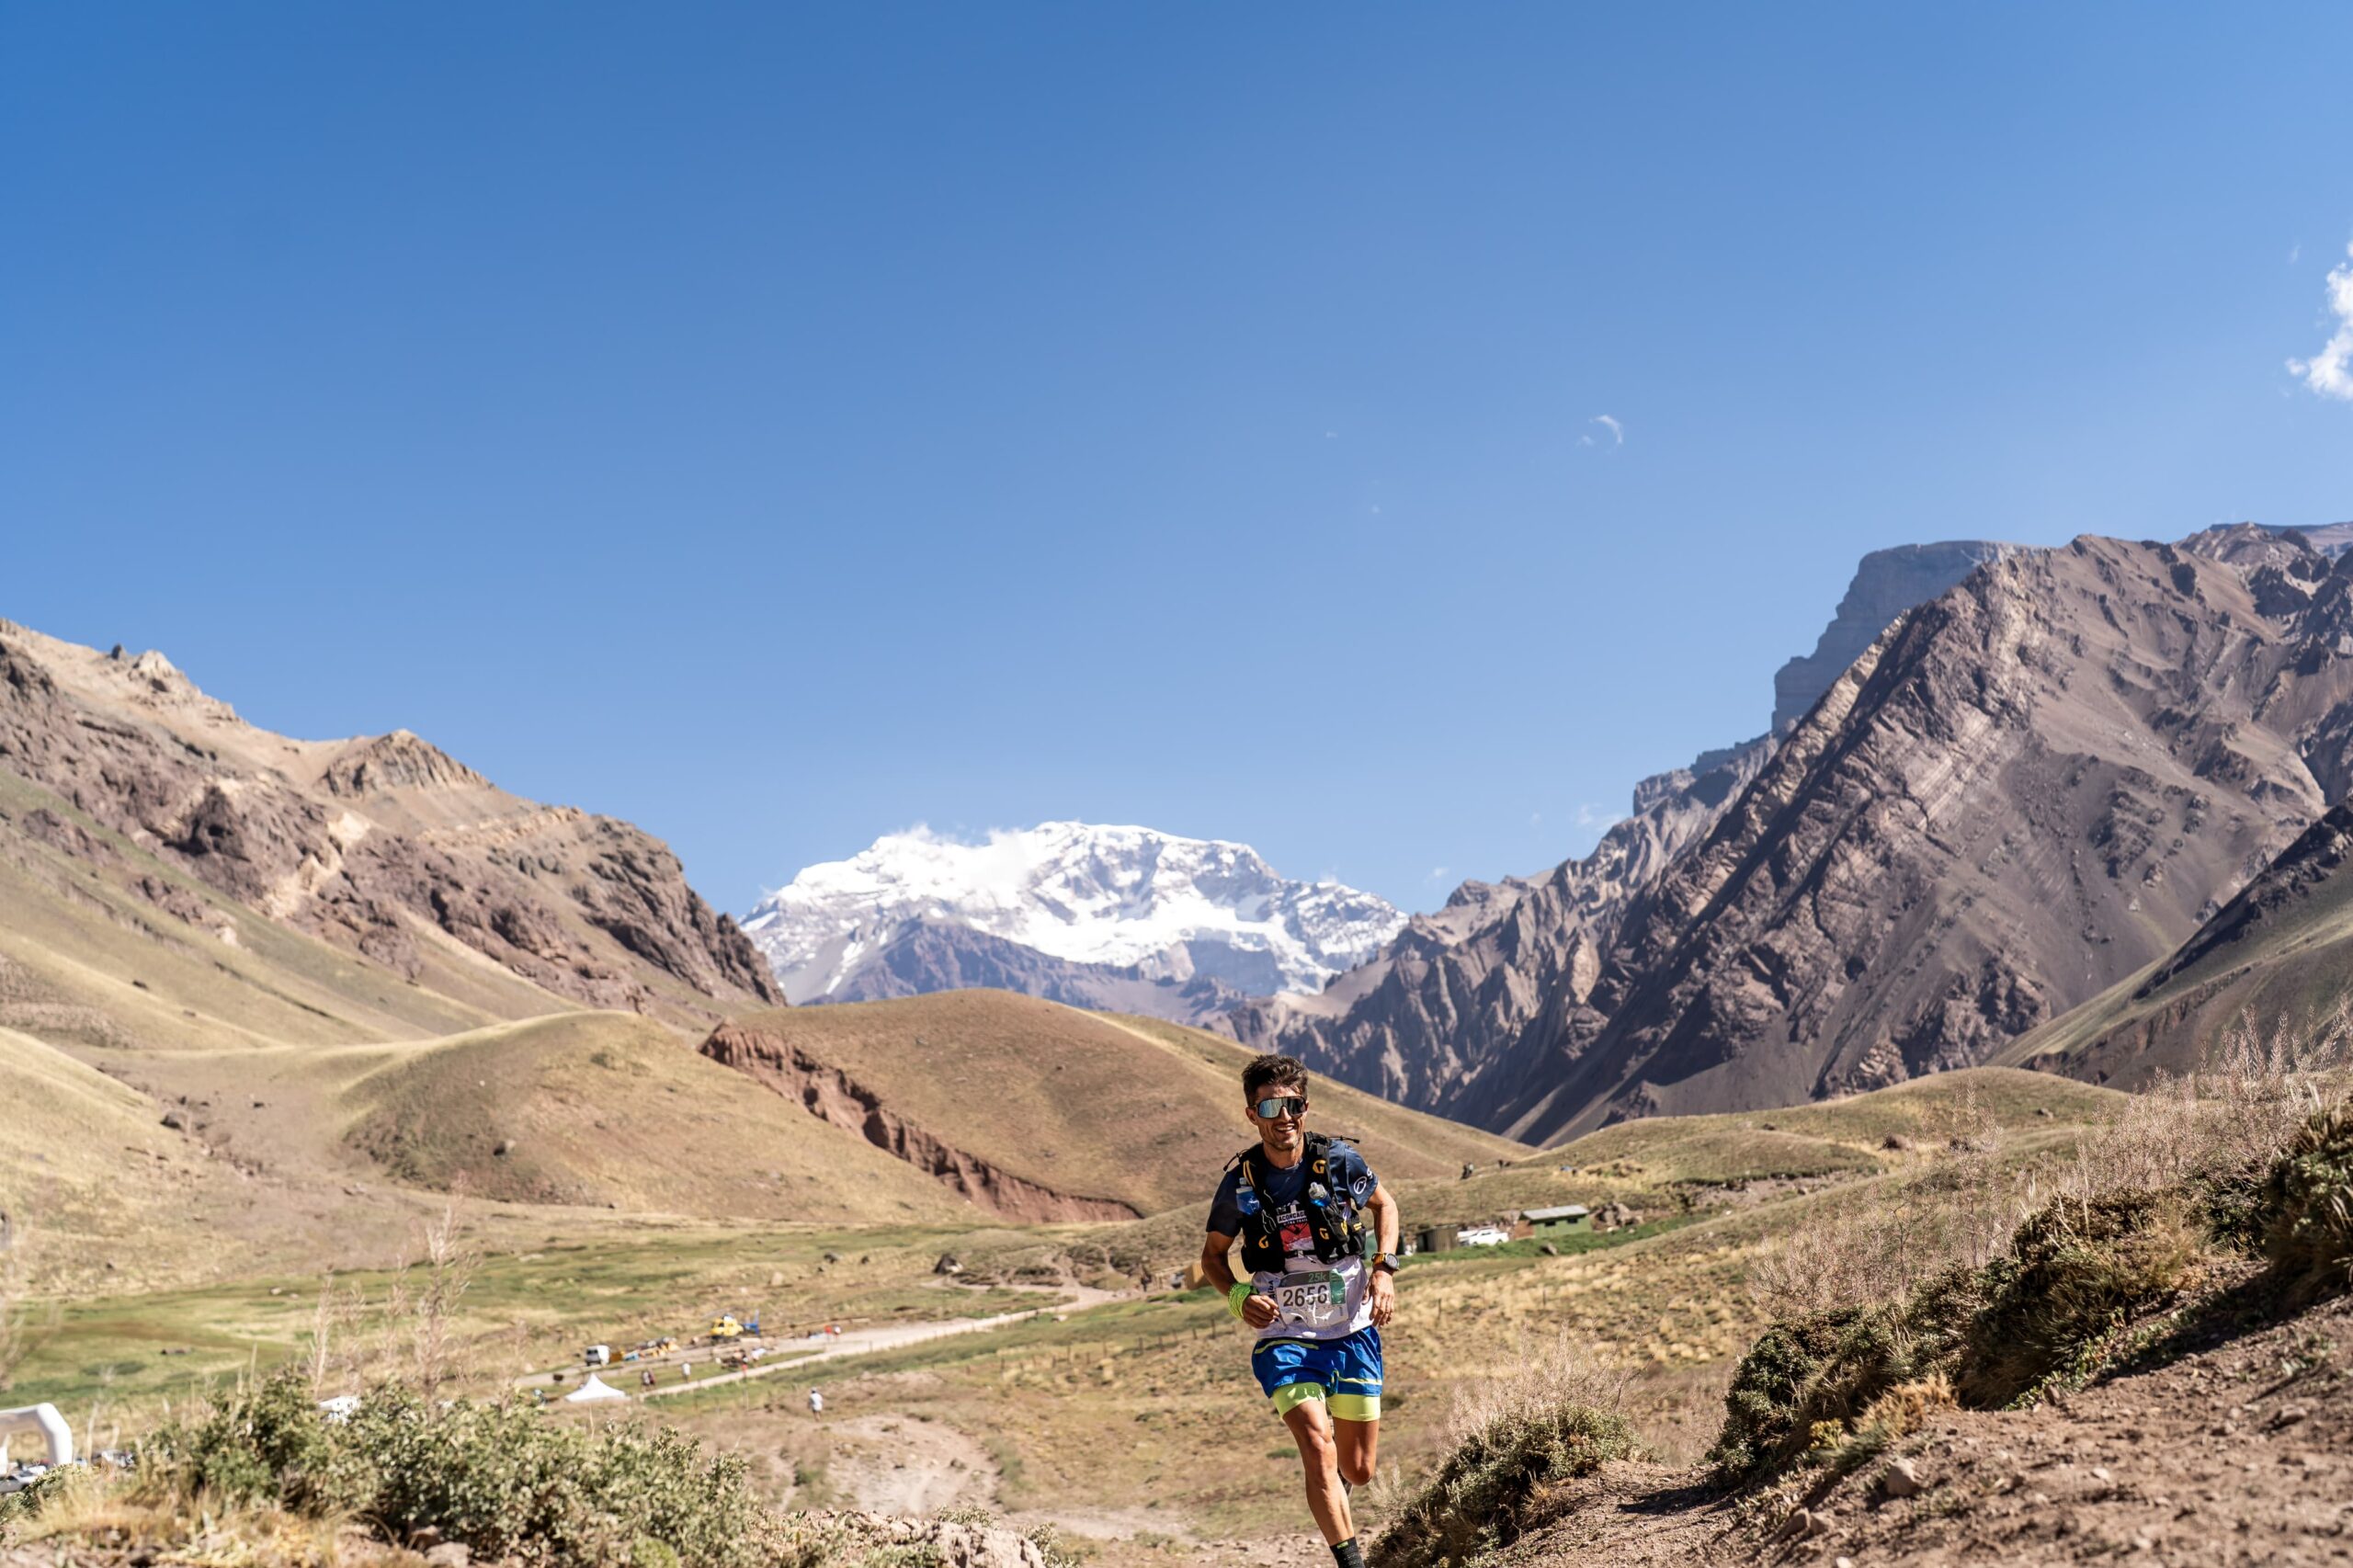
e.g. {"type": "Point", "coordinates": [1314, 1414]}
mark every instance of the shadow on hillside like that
{"type": "Point", "coordinates": [2246, 1306]}
{"type": "Point", "coordinates": [1685, 1498]}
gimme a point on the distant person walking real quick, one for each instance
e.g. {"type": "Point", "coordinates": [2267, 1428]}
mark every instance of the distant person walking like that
{"type": "Point", "coordinates": [816, 1402]}
{"type": "Point", "coordinates": [1298, 1201]}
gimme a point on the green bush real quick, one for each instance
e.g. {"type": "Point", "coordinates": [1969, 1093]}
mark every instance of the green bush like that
{"type": "Point", "coordinates": [2079, 1269]}
{"type": "Point", "coordinates": [2230, 1204]}
{"type": "Point", "coordinates": [506, 1479]}
{"type": "Point", "coordinates": [26, 1501]}
{"type": "Point", "coordinates": [2308, 1207]}
{"type": "Point", "coordinates": [1485, 1495]}
{"type": "Point", "coordinates": [271, 1446]}
{"type": "Point", "coordinates": [1827, 1369]}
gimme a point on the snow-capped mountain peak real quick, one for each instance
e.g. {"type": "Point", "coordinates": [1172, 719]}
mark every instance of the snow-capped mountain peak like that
{"type": "Point", "coordinates": [1129, 898]}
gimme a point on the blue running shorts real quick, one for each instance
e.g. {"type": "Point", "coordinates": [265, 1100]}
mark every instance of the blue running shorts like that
{"type": "Point", "coordinates": [1344, 1373]}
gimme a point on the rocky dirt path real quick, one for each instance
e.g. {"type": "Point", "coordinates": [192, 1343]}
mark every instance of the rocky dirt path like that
{"type": "Point", "coordinates": [2236, 1450]}
{"type": "Point", "coordinates": [896, 1464]}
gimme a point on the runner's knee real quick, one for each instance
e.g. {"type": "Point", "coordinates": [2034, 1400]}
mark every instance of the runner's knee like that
{"type": "Point", "coordinates": [1316, 1447]}
{"type": "Point", "coordinates": [1356, 1469]}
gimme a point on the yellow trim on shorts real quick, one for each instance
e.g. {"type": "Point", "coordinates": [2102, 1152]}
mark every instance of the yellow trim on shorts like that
{"type": "Point", "coordinates": [1290, 1394]}
{"type": "Point", "coordinates": [1342, 1406]}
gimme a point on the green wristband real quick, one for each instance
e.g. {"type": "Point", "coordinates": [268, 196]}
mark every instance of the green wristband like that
{"type": "Point", "coordinates": [1236, 1293]}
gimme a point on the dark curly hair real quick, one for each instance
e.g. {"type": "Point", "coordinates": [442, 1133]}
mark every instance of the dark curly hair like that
{"type": "Point", "coordinates": [1268, 1071]}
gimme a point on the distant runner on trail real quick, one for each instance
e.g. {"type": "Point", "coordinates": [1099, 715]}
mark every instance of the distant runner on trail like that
{"type": "Point", "coordinates": [1298, 1202]}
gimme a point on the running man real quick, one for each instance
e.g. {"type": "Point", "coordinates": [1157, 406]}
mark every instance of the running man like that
{"type": "Point", "coordinates": [1298, 1201]}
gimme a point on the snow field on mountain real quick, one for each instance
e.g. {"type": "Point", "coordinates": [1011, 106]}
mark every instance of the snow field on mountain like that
{"type": "Point", "coordinates": [1123, 897]}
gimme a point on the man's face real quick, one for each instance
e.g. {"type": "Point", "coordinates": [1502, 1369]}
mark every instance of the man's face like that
{"type": "Point", "coordinates": [1284, 1131]}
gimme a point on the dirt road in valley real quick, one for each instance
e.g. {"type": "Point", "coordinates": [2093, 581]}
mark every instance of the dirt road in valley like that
{"type": "Point", "coordinates": [790, 1354]}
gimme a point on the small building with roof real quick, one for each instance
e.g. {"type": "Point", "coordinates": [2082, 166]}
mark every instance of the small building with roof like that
{"type": "Point", "coordinates": [1566, 1218]}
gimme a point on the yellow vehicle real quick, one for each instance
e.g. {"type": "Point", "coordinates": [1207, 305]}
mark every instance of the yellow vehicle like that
{"type": "Point", "coordinates": [724, 1326]}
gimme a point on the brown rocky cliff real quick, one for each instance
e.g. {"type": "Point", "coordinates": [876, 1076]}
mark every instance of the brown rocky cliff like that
{"type": "Point", "coordinates": [1425, 1021]}
{"type": "Point", "coordinates": [2027, 789]}
{"type": "Point", "coordinates": [830, 1093]}
{"type": "Point", "coordinates": [370, 843]}
{"type": "Point", "coordinates": [1437, 1020]}
{"type": "Point", "coordinates": [1885, 584]}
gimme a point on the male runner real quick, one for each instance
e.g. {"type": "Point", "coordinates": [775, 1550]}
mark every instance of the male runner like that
{"type": "Point", "coordinates": [1298, 1202]}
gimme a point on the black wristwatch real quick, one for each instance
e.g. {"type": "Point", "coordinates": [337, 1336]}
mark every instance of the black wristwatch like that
{"type": "Point", "coordinates": [1384, 1263]}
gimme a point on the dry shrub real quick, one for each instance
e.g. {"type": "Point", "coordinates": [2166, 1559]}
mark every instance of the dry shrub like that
{"type": "Point", "coordinates": [2308, 1207]}
{"type": "Point", "coordinates": [1514, 1440]}
{"type": "Point", "coordinates": [2080, 1269]}
{"type": "Point", "coordinates": [1959, 1213]}
{"type": "Point", "coordinates": [2213, 1133]}
{"type": "Point", "coordinates": [1810, 1384]}
{"type": "Point", "coordinates": [2246, 1099]}
{"type": "Point", "coordinates": [1965, 1122]}
{"type": "Point", "coordinates": [408, 1334]}
{"type": "Point", "coordinates": [1837, 1385]}
{"type": "Point", "coordinates": [1904, 1408]}
{"type": "Point", "coordinates": [1834, 1255]}
{"type": "Point", "coordinates": [80, 1514]}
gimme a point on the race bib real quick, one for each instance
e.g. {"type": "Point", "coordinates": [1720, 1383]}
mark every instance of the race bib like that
{"type": "Point", "coordinates": [1314, 1301]}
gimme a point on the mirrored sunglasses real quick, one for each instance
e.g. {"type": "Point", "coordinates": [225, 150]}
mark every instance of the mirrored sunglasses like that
{"type": "Point", "coordinates": [1281, 1105]}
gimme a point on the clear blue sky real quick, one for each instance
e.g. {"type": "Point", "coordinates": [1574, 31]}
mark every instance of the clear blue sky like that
{"type": "Point", "coordinates": [779, 426]}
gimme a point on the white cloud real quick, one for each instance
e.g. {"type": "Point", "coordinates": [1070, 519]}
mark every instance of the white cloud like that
{"type": "Point", "coordinates": [2295, 254]}
{"type": "Point", "coordinates": [1613, 425]}
{"type": "Point", "coordinates": [1437, 873]}
{"type": "Point", "coordinates": [2329, 372]}
{"type": "Point", "coordinates": [1592, 815]}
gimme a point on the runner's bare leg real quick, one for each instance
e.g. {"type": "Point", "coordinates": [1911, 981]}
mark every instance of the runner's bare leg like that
{"type": "Point", "coordinates": [1358, 1442]}
{"type": "Point", "coordinates": [1311, 1428]}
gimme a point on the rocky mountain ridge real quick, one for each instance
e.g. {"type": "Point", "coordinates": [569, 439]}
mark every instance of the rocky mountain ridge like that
{"type": "Point", "coordinates": [2027, 789]}
{"type": "Point", "coordinates": [1422, 1021]}
{"type": "Point", "coordinates": [2268, 979]}
{"type": "Point", "coordinates": [1885, 584]}
{"type": "Point", "coordinates": [1437, 1011]}
{"type": "Point", "coordinates": [382, 845]}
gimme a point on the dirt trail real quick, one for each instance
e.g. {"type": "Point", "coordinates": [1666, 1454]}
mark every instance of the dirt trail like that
{"type": "Point", "coordinates": [791, 1355]}
{"type": "Point", "coordinates": [2238, 1452]}
{"type": "Point", "coordinates": [897, 1464]}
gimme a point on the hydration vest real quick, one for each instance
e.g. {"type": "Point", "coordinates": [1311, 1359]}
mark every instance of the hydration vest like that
{"type": "Point", "coordinates": [1332, 1221]}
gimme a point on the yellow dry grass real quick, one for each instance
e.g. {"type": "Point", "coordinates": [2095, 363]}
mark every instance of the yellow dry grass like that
{"type": "Point", "coordinates": [1089, 1105]}
{"type": "Point", "coordinates": [609, 1110]}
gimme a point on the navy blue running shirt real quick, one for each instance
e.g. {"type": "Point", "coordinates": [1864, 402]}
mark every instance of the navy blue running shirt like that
{"type": "Point", "coordinates": [1316, 1300]}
